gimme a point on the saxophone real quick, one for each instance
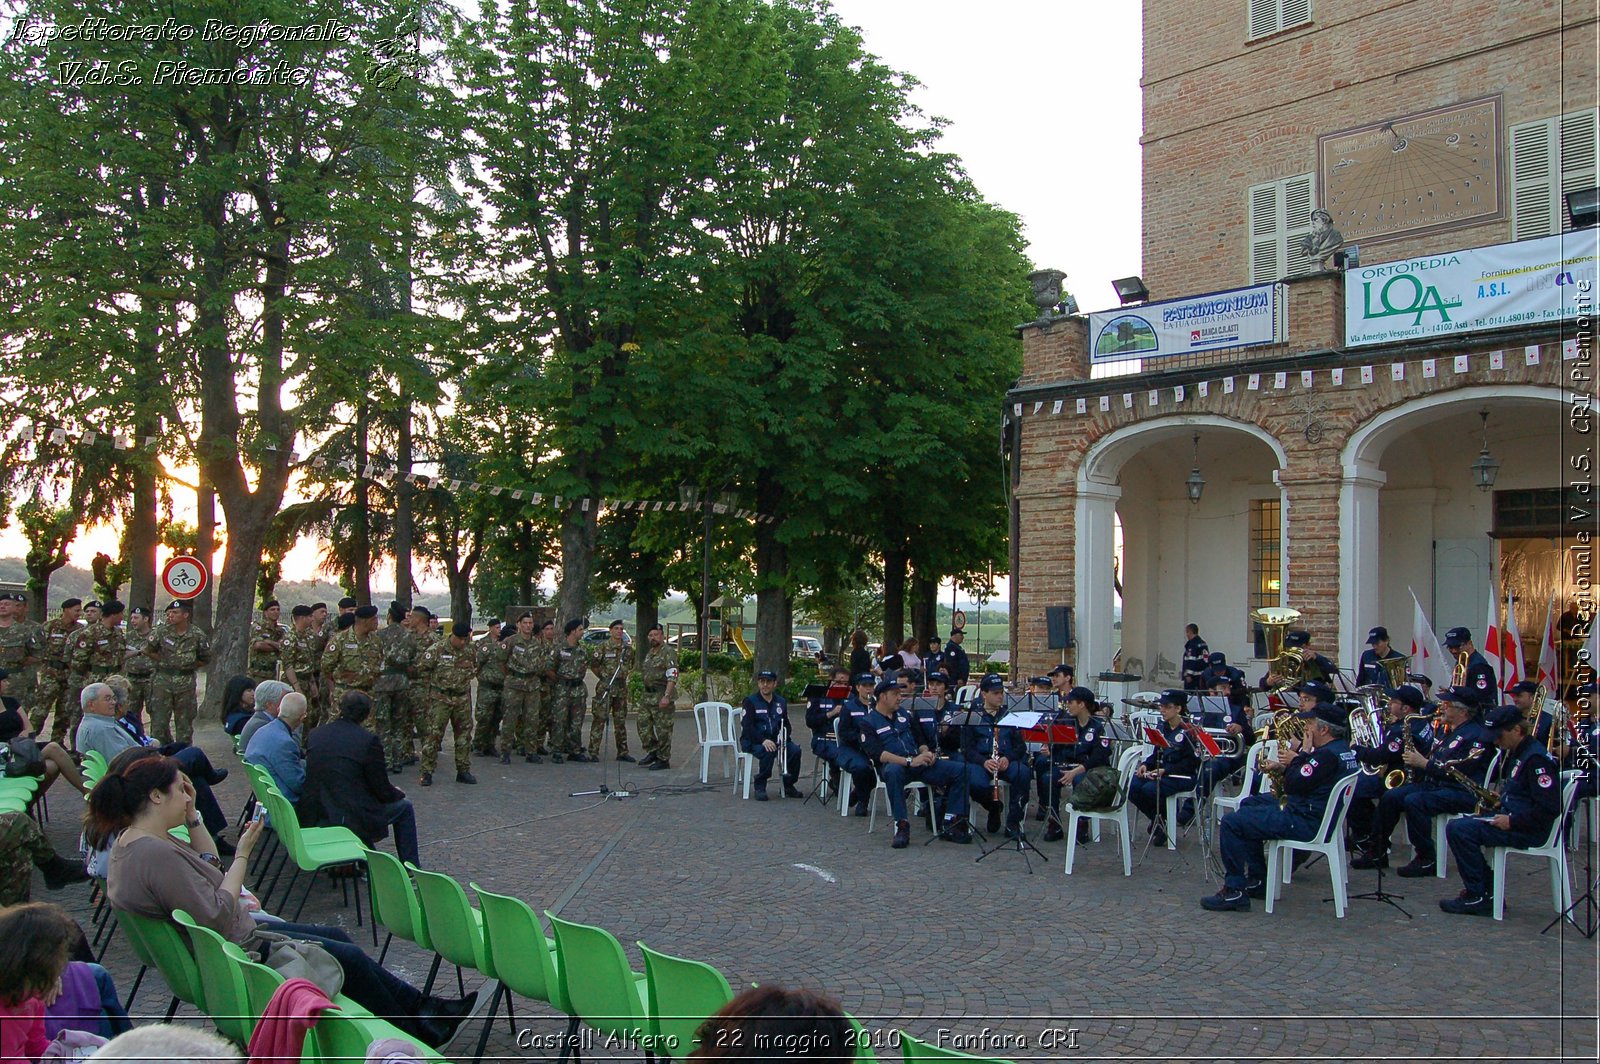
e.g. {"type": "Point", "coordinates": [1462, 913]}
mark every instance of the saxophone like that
{"type": "Point", "coordinates": [1488, 800]}
{"type": "Point", "coordinates": [1397, 777]}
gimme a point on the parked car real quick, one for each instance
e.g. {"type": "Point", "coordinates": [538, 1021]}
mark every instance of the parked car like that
{"type": "Point", "coordinates": [600, 635]}
{"type": "Point", "coordinates": [805, 646]}
{"type": "Point", "coordinates": [686, 641]}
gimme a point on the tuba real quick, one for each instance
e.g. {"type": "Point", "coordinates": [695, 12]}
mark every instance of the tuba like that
{"type": "Point", "coordinates": [1366, 729]}
{"type": "Point", "coordinates": [1287, 663]}
{"type": "Point", "coordinates": [1395, 669]}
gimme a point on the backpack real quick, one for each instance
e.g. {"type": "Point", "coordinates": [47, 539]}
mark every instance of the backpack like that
{"type": "Point", "coordinates": [1097, 792]}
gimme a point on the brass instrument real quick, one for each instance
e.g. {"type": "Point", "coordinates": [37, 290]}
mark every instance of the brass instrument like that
{"type": "Point", "coordinates": [1395, 669]}
{"type": "Point", "coordinates": [1534, 711]}
{"type": "Point", "coordinates": [1488, 800]}
{"type": "Point", "coordinates": [1287, 663]}
{"type": "Point", "coordinates": [1366, 729]}
{"type": "Point", "coordinates": [1397, 777]}
{"type": "Point", "coordinates": [1458, 675]}
{"type": "Point", "coordinates": [1286, 727]}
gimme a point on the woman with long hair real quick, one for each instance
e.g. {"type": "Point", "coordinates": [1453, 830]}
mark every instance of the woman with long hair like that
{"type": "Point", "coordinates": [238, 703]}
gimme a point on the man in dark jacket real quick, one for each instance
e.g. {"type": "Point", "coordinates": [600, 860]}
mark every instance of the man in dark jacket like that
{"type": "Point", "coordinates": [347, 785]}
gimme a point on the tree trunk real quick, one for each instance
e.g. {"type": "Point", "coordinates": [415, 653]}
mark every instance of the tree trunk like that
{"type": "Point", "coordinates": [648, 606]}
{"type": "Point", "coordinates": [774, 607]}
{"type": "Point", "coordinates": [527, 572]}
{"type": "Point", "coordinates": [895, 564]}
{"type": "Point", "coordinates": [361, 530]}
{"type": "Point", "coordinates": [579, 529]}
{"type": "Point", "coordinates": [832, 640]}
{"type": "Point", "coordinates": [402, 507]}
{"type": "Point", "coordinates": [206, 525]}
{"type": "Point", "coordinates": [924, 607]}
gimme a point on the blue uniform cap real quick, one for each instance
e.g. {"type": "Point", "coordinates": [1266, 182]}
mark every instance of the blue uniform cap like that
{"type": "Point", "coordinates": [863, 677]}
{"type": "Point", "coordinates": [1376, 635]}
{"type": "Point", "coordinates": [1409, 695]}
{"type": "Point", "coordinates": [766, 674]}
{"type": "Point", "coordinates": [1297, 638]}
{"type": "Point", "coordinates": [992, 682]}
{"type": "Point", "coordinates": [886, 685]}
{"type": "Point", "coordinates": [1461, 695]}
{"type": "Point", "coordinates": [938, 677]}
{"type": "Point", "coordinates": [1218, 658]}
{"type": "Point", "coordinates": [1173, 698]}
{"type": "Point", "coordinates": [1456, 636]}
{"type": "Point", "coordinates": [1081, 694]}
{"type": "Point", "coordinates": [1061, 670]}
{"type": "Point", "coordinates": [1317, 689]}
{"type": "Point", "coordinates": [1326, 712]}
{"type": "Point", "coordinates": [1503, 717]}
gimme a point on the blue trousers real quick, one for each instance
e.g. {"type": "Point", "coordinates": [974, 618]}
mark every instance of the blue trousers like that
{"type": "Point", "coordinates": [1467, 838]}
{"type": "Point", "coordinates": [1243, 832]}
{"type": "Point", "coordinates": [1148, 795]}
{"type": "Point", "coordinates": [1047, 778]}
{"type": "Point", "coordinates": [951, 774]}
{"type": "Point", "coordinates": [368, 984]}
{"type": "Point", "coordinates": [1215, 771]}
{"type": "Point", "coordinates": [1419, 803]}
{"type": "Point", "coordinates": [765, 759]}
{"type": "Point", "coordinates": [862, 779]}
{"type": "Point", "coordinates": [1017, 774]}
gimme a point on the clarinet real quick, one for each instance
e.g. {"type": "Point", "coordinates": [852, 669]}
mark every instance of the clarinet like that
{"type": "Point", "coordinates": [994, 754]}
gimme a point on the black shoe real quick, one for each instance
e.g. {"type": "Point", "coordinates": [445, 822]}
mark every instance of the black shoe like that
{"type": "Point", "coordinates": [648, 760]}
{"type": "Point", "coordinates": [438, 1018]}
{"type": "Point", "coordinates": [1085, 832]}
{"type": "Point", "coordinates": [580, 758]}
{"type": "Point", "coordinates": [625, 757]}
{"type": "Point", "coordinates": [902, 834]}
{"type": "Point", "coordinates": [1040, 814]}
{"type": "Point", "coordinates": [657, 766]}
{"type": "Point", "coordinates": [59, 872]}
{"type": "Point", "coordinates": [1466, 904]}
{"type": "Point", "coordinates": [791, 791]}
{"type": "Point", "coordinates": [542, 752]}
{"type": "Point", "coordinates": [412, 759]}
{"type": "Point", "coordinates": [1225, 901]}
{"type": "Point", "coordinates": [1256, 890]}
{"type": "Point", "coordinates": [426, 780]}
{"type": "Point", "coordinates": [534, 759]}
{"type": "Point", "coordinates": [505, 758]}
{"type": "Point", "coordinates": [1053, 832]}
{"type": "Point", "coordinates": [486, 753]}
{"type": "Point", "coordinates": [860, 809]}
{"type": "Point", "coordinates": [1367, 859]}
{"type": "Point", "coordinates": [225, 848]}
{"type": "Point", "coordinates": [466, 777]}
{"type": "Point", "coordinates": [218, 775]}
{"type": "Point", "coordinates": [992, 825]}
{"type": "Point", "coordinates": [957, 833]}
{"type": "Point", "coordinates": [558, 759]}
{"type": "Point", "coordinates": [1159, 836]}
{"type": "Point", "coordinates": [761, 793]}
{"type": "Point", "coordinates": [1185, 814]}
{"type": "Point", "coordinates": [1416, 869]}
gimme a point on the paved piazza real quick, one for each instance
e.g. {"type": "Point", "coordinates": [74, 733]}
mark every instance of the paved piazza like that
{"type": "Point", "coordinates": [1093, 966]}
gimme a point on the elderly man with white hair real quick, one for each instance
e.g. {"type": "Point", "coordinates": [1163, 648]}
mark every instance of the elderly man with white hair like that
{"type": "Point", "coordinates": [269, 696]}
{"type": "Point", "coordinates": [276, 747]}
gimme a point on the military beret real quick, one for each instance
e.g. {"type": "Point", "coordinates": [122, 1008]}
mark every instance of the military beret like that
{"type": "Point", "coordinates": [347, 603]}
{"type": "Point", "coordinates": [111, 608]}
{"type": "Point", "coordinates": [181, 604]}
{"type": "Point", "coordinates": [92, 604]}
{"type": "Point", "coordinates": [68, 603]}
{"type": "Point", "coordinates": [139, 611]}
{"type": "Point", "coordinates": [616, 623]}
{"type": "Point", "coordinates": [363, 612]}
{"type": "Point", "coordinates": [345, 621]}
{"type": "Point", "coordinates": [572, 625]}
{"type": "Point", "coordinates": [461, 629]}
{"type": "Point", "coordinates": [267, 605]}
{"type": "Point", "coordinates": [315, 606]}
{"type": "Point", "coordinates": [301, 610]}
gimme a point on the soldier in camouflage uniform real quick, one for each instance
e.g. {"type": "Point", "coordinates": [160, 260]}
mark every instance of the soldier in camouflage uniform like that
{"type": "Point", "coordinates": [15, 636]}
{"type": "Point", "coordinates": [417, 703]}
{"type": "Point", "coordinates": [94, 653]}
{"type": "Point", "coordinates": [316, 642]}
{"type": "Point", "coordinates": [49, 645]}
{"type": "Point", "coordinates": [299, 667]}
{"type": "Point", "coordinates": [353, 659]}
{"type": "Point", "coordinates": [398, 644]}
{"type": "Point", "coordinates": [490, 652]}
{"type": "Point", "coordinates": [572, 664]}
{"type": "Point", "coordinates": [22, 849]}
{"type": "Point", "coordinates": [448, 668]}
{"type": "Point", "coordinates": [659, 671]}
{"type": "Point", "coordinates": [524, 664]}
{"type": "Point", "coordinates": [77, 677]}
{"type": "Point", "coordinates": [266, 643]}
{"type": "Point", "coordinates": [542, 727]}
{"type": "Point", "coordinates": [180, 648]}
{"type": "Point", "coordinates": [613, 664]}
{"type": "Point", "coordinates": [137, 665]}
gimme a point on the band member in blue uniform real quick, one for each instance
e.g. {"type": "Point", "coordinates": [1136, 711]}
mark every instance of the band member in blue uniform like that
{"type": "Point", "coordinates": [1480, 681]}
{"type": "Point", "coordinates": [1309, 776]}
{"type": "Point", "coordinates": [1063, 765]}
{"type": "Point", "coordinates": [904, 755]}
{"type": "Point", "coordinates": [1467, 748]}
{"type": "Point", "coordinates": [1315, 666]}
{"type": "Point", "coordinates": [1223, 679]}
{"type": "Point", "coordinates": [765, 725]}
{"type": "Point", "coordinates": [1522, 695]}
{"type": "Point", "coordinates": [1235, 720]}
{"type": "Point", "coordinates": [956, 665]}
{"type": "Point", "coordinates": [851, 756]}
{"type": "Point", "coordinates": [992, 752]}
{"type": "Point", "coordinates": [822, 717]}
{"type": "Point", "coordinates": [1529, 805]}
{"type": "Point", "coordinates": [1404, 701]}
{"type": "Point", "coordinates": [1168, 770]}
{"type": "Point", "coordinates": [1369, 673]}
{"type": "Point", "coordinates": [1195, 653]}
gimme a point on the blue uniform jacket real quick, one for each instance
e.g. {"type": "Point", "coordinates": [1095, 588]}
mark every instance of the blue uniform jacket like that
{"type": "Point", "coordinates": [1195, 653]}
{"type": "Point", "coordinates": [1470, 744]}
{"type": "Point", "coordinates": [1179, 758]}
{"type": "Point", "coordinates": [978, 741]}
{"type": "Point", "coordinates": [851, 721]}
{"type": "Point", "coordinates": [817, 718]}
{"type": "Point", "coordinates": [1391, 754]}
{"type": "Point", "coordinates": [1368, 671]}
{"type": "Point", "coordinates": [763, 720]}
{"type": "Point", "coordinates": [956, 665]}
{"type": "Point", "coordinates": [1093, 747]}
{"type": "Point", "coordinates": [1310, 777]}
{"type": "Point", "coordinates": [1532, 795]}
{"type": "Point", "coordinates": [898, 736]}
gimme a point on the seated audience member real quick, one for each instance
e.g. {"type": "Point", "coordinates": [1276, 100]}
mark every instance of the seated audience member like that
{"type": "Point", "coordinates": [169, 1043]}
{"type": "Point", "coordinates": [269, 695]}
{"type": "Point", "coordinates": [348, 786]}
{"type": "Point", "coordinates": [771, 1023]}
{"type": "Point", "coordinates": [22, 849]}
{"type": "Point", "coordinates": [151, 873]}
{"type": "Point", "coordinates": [56, 761]}
{"type": "Point", "coordinates": [238, 703]}
{"type": "Point", "coordinates": [276, 747]}
{"type": "Point", "coordinates": [38, 944]}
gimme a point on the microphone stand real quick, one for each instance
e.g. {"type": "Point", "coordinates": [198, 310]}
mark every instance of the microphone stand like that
{"type": "Point", "coordinates": [605, 791]}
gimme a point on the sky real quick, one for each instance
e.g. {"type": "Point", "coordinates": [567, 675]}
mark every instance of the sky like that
{"type": "Point", "coordinates": [1042, 105]}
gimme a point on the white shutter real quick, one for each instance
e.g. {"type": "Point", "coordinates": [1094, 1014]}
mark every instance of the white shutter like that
{"type": "Point", "coordinates": [1299, 197]}
{"type": "Point", "coordinates": [1295, 13]}
{"type": "Point", "coordinates": [1550, 157]}
{"type": "Point", "coordinates": [1280, 214]}
{"type": "Point", "coordinates": [1273, 16]}
{"type": "Point", "coordinates": [1265, 265]}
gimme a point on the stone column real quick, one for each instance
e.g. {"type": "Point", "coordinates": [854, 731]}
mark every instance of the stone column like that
{"type": "Point", "coordinates": [1359, 550]}
{"type": "Point", "coordinates": [1095, 521]}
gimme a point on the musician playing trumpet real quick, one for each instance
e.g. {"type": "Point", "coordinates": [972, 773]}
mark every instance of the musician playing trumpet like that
{"type": "Point", "coordinates": [1522, 696]}
{"type": "Point", "coordinates": [1529, 805]}
{"type": "Point", "coordinates": [1386, 757]}
{"type": "Point", "coordinates": [1477, 676]}
{"type": "Point", "coordinates": [1435, 791]}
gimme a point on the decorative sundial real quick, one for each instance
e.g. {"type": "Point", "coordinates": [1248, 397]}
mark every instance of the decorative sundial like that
{"type": "Point", "coordinates": [1436, 170]}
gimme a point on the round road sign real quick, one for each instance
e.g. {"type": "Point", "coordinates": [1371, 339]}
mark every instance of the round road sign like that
{"type": "Point", "coordinates": [184, 577]}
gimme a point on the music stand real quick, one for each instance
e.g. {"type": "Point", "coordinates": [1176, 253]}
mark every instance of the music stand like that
{"type": "Point", "coordinates": [1591, 909]}
{"type": "Point", "coordinates": [1377, 893]}
{"type": "Point", "coordinates": [816, 692]}
{"type": "Point", "coordinates": [959, 718]}
{"type": "Point", "coordinates": [1019, 844]}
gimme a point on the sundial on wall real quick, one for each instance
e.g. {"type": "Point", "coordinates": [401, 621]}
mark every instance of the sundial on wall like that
{"type": "Point", "coordinates": [1436, 170]}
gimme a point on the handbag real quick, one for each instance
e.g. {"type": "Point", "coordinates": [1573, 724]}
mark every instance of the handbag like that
{"type": "Point", "coordinates": [23, 758]}
{"type": "Point", "coordinates": [295, 958]}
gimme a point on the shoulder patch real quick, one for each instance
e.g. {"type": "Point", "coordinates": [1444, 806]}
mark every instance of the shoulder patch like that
{"type": "Point", "coordinates": [1308, 769]}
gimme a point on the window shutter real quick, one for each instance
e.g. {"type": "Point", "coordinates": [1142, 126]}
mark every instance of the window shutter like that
{"type": "Point", "coordinates": [1295, 13]}
{"type": "Point", "coordinates": [1299, 196]}
{"type": "Point", "coordinates": [1265, 266]}
{"type": "Point", "coordinates": [1263, 18]}
{"type": "Point", "coordinates": [1580, 140]}
{"type": "Point", "coordinates": [1280, 214]}
{"type": "Point", "coordinates": [1531, 187]}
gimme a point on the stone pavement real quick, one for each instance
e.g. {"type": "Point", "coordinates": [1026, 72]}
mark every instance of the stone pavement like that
{"type": "Point", "coordinates": [984, 957]}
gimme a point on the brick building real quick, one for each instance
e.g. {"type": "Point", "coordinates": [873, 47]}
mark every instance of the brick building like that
{"type": "Point", "coordinates": [1336, 441]}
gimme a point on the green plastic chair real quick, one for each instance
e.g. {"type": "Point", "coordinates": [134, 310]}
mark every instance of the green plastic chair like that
{"type": "Point", "coordinates": [341, 1037]}
{"type": "Point", "coordinates": [600, 988]}
{"type": "Point", "coordinates": [681, 995]}
{"type": "Point", "coordinates": [260, 983]}
{"type": "Point", "coordinates": [916, 1051]}
{"type": "Point", "coordinates": [394, 902]}
{"type": "Point", "coordinates": [158, 945]}
{"type": "Point", "coordinates": [313, 849]}
{"type": "Point", "coordinates": [454, 927]}
{"type": "Point", "coordinates": [94, 762]}
{"type": "Point", "coordinates": [217, 961]}
{"type": "Point", "coordinates": [524, 961]}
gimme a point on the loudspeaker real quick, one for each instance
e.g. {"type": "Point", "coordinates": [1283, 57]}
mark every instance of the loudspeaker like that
{"type": "Point", "coordinates": [1260, 641]}
{"type": "Point", "coordinates": [1058, 622]}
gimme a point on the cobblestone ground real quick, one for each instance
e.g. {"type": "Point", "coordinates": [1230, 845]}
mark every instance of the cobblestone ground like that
{"type": "Point", "coordinates": [980, 956]}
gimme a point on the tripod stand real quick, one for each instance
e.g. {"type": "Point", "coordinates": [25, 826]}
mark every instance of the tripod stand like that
{"type": "Point", "coordinates": [1586, 902]}
{"type": "Point", "coordinates": [604, 789]}
{"type": "Point", "coordinates": [1378, 894]}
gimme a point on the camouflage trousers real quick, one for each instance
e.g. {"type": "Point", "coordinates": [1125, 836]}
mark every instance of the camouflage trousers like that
{"type": "Point", "coordinates": [313, 706]}
{"type": "Point", "coordinates": [612, 703]}
{"type": "Point", "coordinates": [65, 728]}
{"type": "Point", "coordinates": [172, 708]}
{"type": "Point", "coordinates": [486, 717]}
{"type": "Point", "coordinates": [543, 731]}
{"type": "Point", "coordinates": [391, 719]}
{"type": "Point", "coordinates": [655, 725]}
{"type": "Point", "coordinates": [138, 695]}
{"type": "Point", "coordinates": [566, 717]}
{"type": "Point", "coordinates": [519, 709]}
{"type": "Point", "coordinates": [21, 848]}
{"type": "Point", "coordinates": [47, 692]}
{"type": "Point", "coordinates": [454, 710]}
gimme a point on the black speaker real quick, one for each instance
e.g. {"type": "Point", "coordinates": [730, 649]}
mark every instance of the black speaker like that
{"type": "Point", "coordinates": [1058, 621]}
{"type": "Point", "coordinates": [1261, 642]}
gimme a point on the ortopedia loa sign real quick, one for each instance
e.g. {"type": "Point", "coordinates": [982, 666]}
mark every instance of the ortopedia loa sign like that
{"type": "Point", "coordinates": [1242, 317]}
{"type": "Point", "coordinates": [1530, 282]}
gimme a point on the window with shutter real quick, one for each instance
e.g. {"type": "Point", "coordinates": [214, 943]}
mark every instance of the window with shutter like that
{"type": "Point", "coordinates": [1280, 214]}
{"type": "Point", "coordinates": [1273, 16]}
{"type": "Point", "coordinates": [1550, 157]}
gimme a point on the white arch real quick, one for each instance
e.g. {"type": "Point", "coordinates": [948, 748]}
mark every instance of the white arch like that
{"type": "Point", "coordinates": [1095, 514]}
{"type": "Point", "coordinates": [1363, 479]}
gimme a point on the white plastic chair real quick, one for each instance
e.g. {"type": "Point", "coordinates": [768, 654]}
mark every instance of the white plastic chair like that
{"type": "Point", "coordinates": [1228, 803]}
{"type": "Point", "coordinates": [1441, 851]}
{"type": "Point", "coordinates": [966, 693]}
{"type": "Point", "coordinates": [1125, 765]}
{"type": "Point", "coordinates": [711, 725]}
{"type": "Point", "coordinates": [1551, 850]}
{"type": "Point", "coordinates": [1328, 841]}
{"type": "Point", "coordinates": [926, 798]}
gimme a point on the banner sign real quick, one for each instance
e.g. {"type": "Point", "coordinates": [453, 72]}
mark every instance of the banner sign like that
{"type": "Point", "coordinates": [1242, 317]}
{"type": "Point", "coordinates": [1530, 282]}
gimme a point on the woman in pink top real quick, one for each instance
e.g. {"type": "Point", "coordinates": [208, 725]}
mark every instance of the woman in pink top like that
{"type": "Point", "coordinates": [38, 941]}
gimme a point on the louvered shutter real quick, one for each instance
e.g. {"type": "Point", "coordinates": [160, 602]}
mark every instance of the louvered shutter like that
{"type": "Point", "coordinates": [1299, 196]}
{"type": "Point", "coordinates": [1265, 265]}
{"type": "Point", "coordinates": [1532, 158]}
{"type": "Point", "coordinates": [1580, 139]}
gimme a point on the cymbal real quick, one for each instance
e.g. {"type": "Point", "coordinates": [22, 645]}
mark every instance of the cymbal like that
{"type": "Point", "coordinates": [1142, 703]}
